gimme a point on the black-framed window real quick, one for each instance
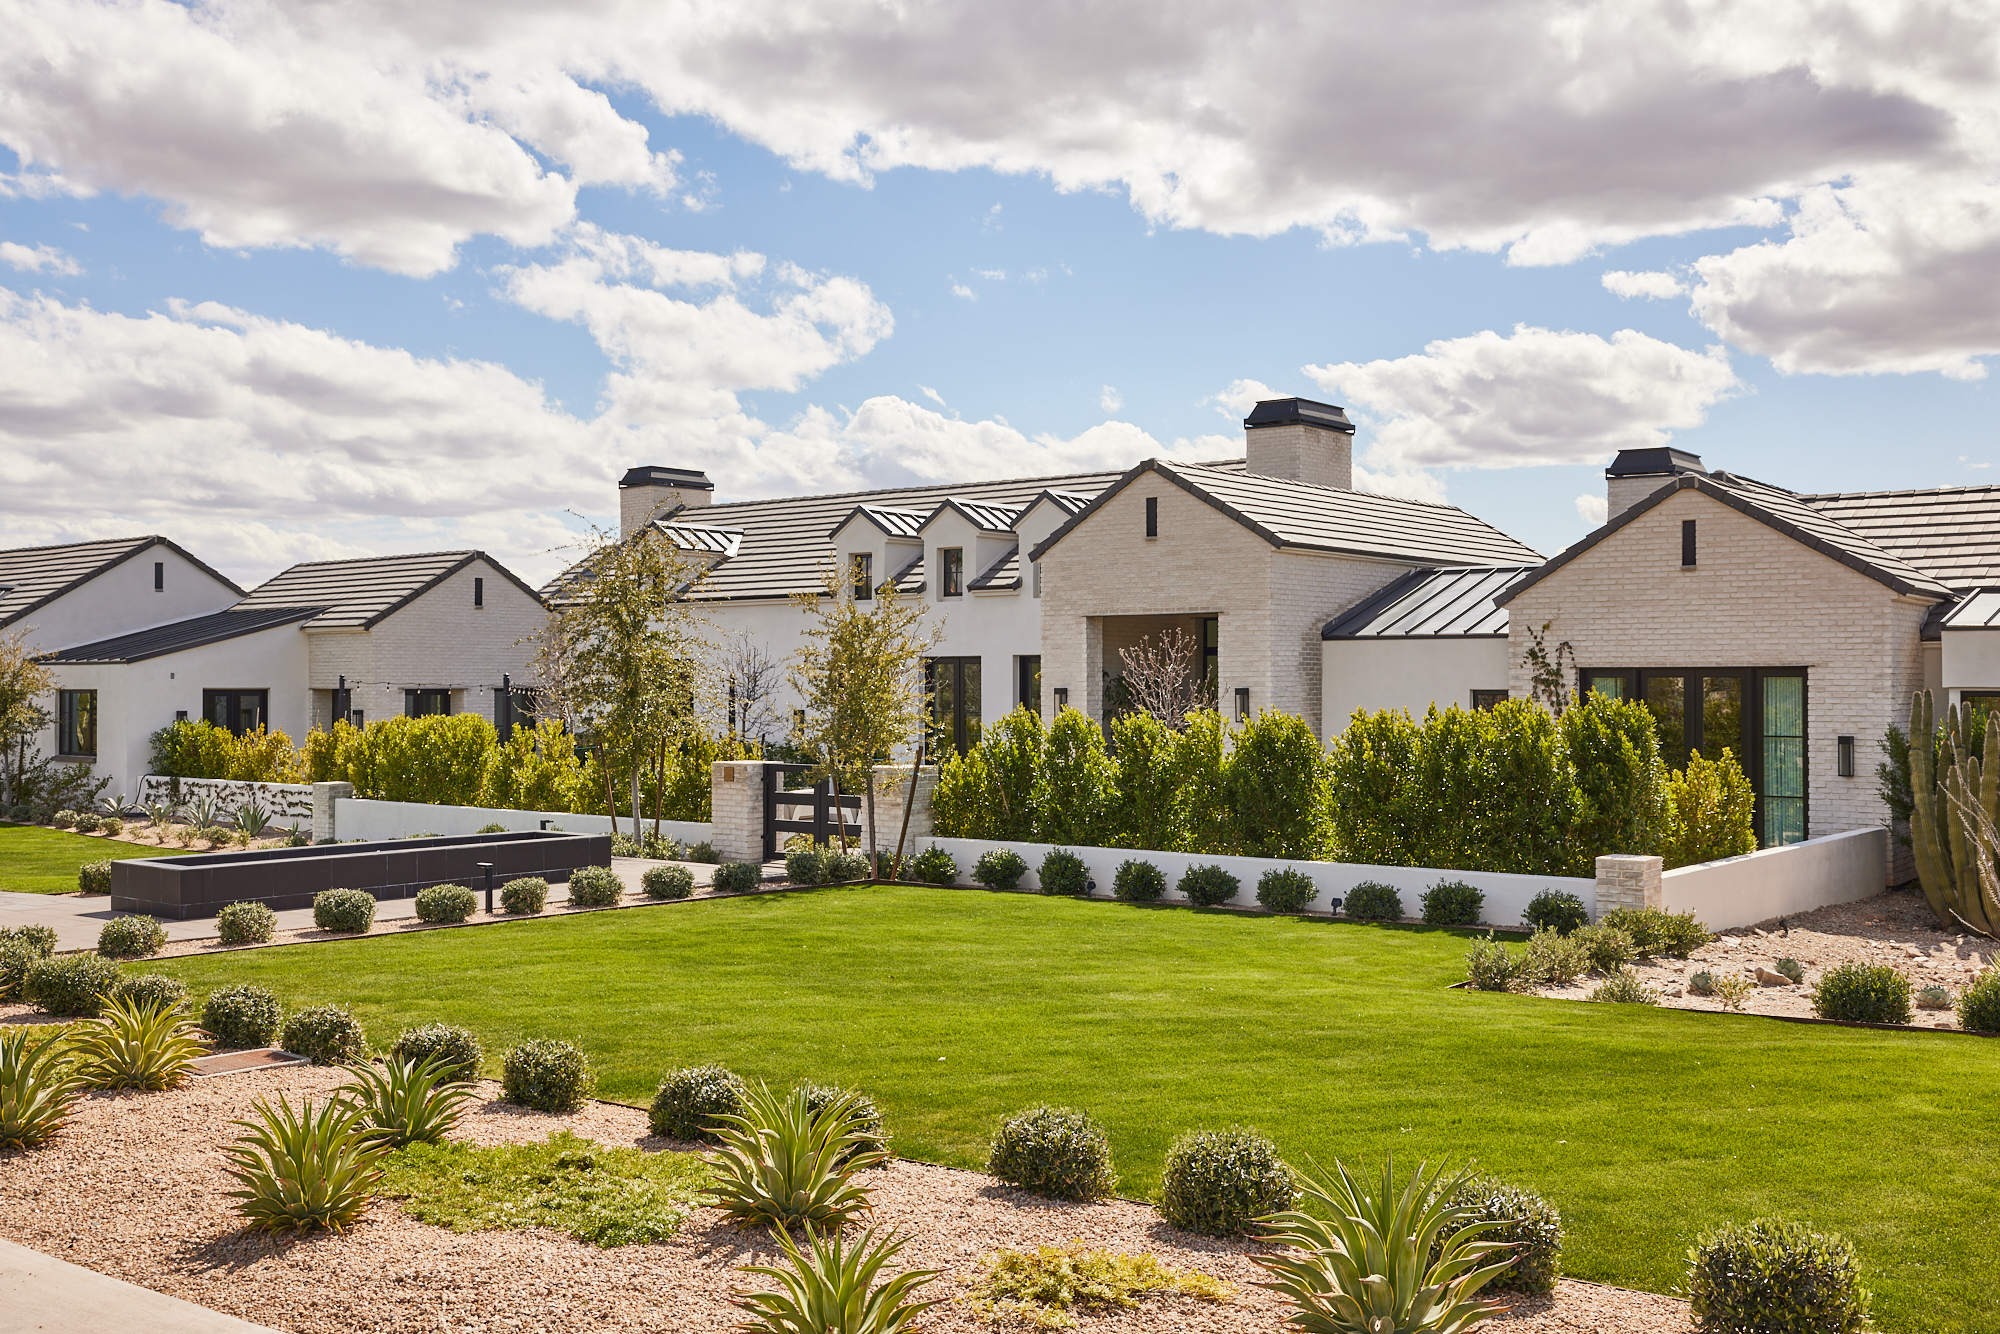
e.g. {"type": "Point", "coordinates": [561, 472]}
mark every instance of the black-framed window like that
{"type": "Point", "coordinates": [951, 572]}
{"type": "Point", "coordinates": [1029, 681]}
{"type": "Point", "coordinates": [237, 711]}
{"type": "Point", "coordinates": [424, 703]}
{"type": "Point", "coordinates": [1211, 658]}
{"type": "Point", "coordinates": [159, 576]}
{"type": "Point", "coordinates": [953, 685]}
{"type": "Point", "coordinates": [478, 592]}
{"type": "Point", "coordinates": [1482, 700]}
{"type": "Point", "coordinates": [861, 575]}
{"type": "Point", "coordinates": [1152, 516]}
{"type": "Point", "coordinates": [76, 722]}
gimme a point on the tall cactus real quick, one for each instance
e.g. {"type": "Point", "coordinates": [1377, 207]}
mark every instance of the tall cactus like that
{"type": "Point", "coordinates": [1955, 818]}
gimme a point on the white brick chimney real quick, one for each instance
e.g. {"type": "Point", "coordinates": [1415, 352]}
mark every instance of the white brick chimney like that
{"type": "Point", "coordinates": [645, 493]}
{"type": "Point", "coordinates": [1301, 440]}
{"type": "Point", "coordinates": [1638, 473]}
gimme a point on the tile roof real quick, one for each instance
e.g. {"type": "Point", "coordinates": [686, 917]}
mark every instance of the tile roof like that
{"type": "Point", "coordinates": [358, 594]}
{"type": "Point", "coordinates": [1002, 573]}
{"type": "Point", "coordinates": [1430, 604]}
{"type": "Point", "coordinates": [33, 577]}
{"type": "Point", "coordinates": [179, 636]}
{"type": "Point", "coordinates": [1951, 533]}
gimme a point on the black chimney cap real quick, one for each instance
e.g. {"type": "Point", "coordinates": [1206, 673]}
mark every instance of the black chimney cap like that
{"type": "Point", "coordinates": [681, 479]}
{"type": "Point", "coordinates": [1298, 412]}
{"type": "Point", "coordinates": [1651, 462]}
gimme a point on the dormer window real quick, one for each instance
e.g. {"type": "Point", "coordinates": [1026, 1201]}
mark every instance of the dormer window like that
{"type": "Point", "coordinates": [951, 572]}
{"type": "Point", "coordinates": [861, 574]}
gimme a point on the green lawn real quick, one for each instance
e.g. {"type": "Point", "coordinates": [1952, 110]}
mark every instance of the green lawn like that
{"type": "Point", "coordinates": [34, 860]}
{"type": "Point", "coordinates": [1337, 1039]}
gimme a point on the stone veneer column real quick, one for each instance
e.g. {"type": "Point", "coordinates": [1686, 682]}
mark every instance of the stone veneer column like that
{"type": "Point", "coordinates": [892, 786]}
{"type": "Point", "coordinates": [324, 795]}
{"type": "Point", "coordinates": [736, 793]}
{"type": "Point", "coordinates": [1627, 880]}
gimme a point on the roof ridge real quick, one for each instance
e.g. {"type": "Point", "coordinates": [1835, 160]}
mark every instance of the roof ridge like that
{"type": "Point", "coordinates": [356, 560]}
{"type": "Point", "coordinates": [922, 486]}
{"type": "Point", "coordinates": [89, 542]}
{"type": "Point", "coordinates": [1343, 490]}
{"type": "Point", "coordinates": [1913, 491]}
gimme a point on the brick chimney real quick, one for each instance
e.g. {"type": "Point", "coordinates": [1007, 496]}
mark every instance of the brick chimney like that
{"type": "Point", "coordinates": [1638, 473]}
{"type": "Point", "coordinates": [1303, 441]}
{"type": "Point", "coordinates": [644, 493]}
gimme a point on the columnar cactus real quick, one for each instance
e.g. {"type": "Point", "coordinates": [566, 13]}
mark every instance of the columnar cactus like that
{"type": "Point", "coordinates": [1955, 819]}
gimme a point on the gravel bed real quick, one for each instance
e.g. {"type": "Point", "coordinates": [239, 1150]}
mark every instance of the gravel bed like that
{"type": "Point", "coordinates": [133, 1188]}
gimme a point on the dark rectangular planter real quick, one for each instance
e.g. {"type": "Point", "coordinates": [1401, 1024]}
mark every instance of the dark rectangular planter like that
{"type": "Point", "coordinates": [201, 885]}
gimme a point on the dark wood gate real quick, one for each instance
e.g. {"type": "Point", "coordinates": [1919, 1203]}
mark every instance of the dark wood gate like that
{"type": "Point", "coordinates": [824, 819]}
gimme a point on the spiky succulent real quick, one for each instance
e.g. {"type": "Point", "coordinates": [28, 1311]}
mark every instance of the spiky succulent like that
{"type": "Point", "coordinates": [407, 1102]}
{"type": "Point", "coordinates": [309, 1167]}
{"type": "Point", "coordinates": [37, 1086]}
{"type": "Point", "coordinates": [138, 1044]}
{"type": "Point", "coordinates": [830, 1285]}
{"type": "Point", "coordinates": [783, 1163]}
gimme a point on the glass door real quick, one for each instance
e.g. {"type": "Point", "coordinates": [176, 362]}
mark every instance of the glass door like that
{"type": "Point", "coordinates": [1781, 791]}
{"type": "Point", "coordinates": [954, 691]}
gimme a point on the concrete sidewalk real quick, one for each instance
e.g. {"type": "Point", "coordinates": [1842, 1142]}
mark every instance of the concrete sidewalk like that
{"type": "Point", "coordinates": [40, 1294]}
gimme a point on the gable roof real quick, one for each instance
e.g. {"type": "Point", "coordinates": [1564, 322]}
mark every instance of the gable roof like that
{"type": "Point", "coordinates": [1304, 517]}
{"type": "Point", "coordinates": [1430, 604]}
{"type": "Point", "coordinates": [1774, 507]}
{"type": "Point", "coordinates": [891, 521]}
{"type": "Point", "coordinates": [1951, 533]}
{"type": "Point", "coordinates": [179, 636]}
{"type": "Point", "coordinates": [33, 577]}
{"type": "Point", "coordinates": [984, 516]}
{"type": "Point", "coordinates": [360, 594]}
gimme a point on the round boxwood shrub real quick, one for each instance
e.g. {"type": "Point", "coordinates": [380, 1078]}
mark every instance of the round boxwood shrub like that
{"type": "Point", "coordinates": [1775, 1277]}
{"type": "Point", "coordinates": [1863, 993]}
{"type": "Point", "coordinates": [867, 1116]}
{"type": "Point", "coordinates": [40, 940]}
{"type": "Point", "coordinates": [16, 957]}
{"type": "Point", "coordinates": [94, 878]}
{"type": "Point", "coordinates": [246, 924]}
{"type": "Point", "coordinates": [135, 937]}
{"type": "Point", "coordinates": [243, 1016]}
{"type": "Point", "coordinates": [491, 829]}
{"type": "Point", "coordinates": [525, 896]}
{"type": "Point", "coordinates": [837, 868]}
{"type": "Point", "coordinates": [690, 1099]}
{"type": "Point", "coordinates": [152, 989]}
{"type": "Point", "coordinates": [548, 1075]}
{"type": "Point", "coordinates": [1556, 910]}
{"type": "Point", "coordinates": [935, 866]}
{"type": "Point", "coordinates": [215, 836]}
{"type": "Point", "coordinates": [343, 910]}
{"type": "Point", "coordinates": [1216, 1181]}
{"type": "Point", "coordinates": [329, 1034]}
{"type": "Point", "coordinates": [1452, 903]}
{"type": "Point", "coordinates": [1206, 886]}
{"type": "Point", "coordinates": [667, 882]}
{"type": "Point", "coordinates": [1054, 1151]}
{"type": "Point", "coordinates": [1373, 901]}
{"type": "Point", "coordinates": [1063, 872]}
{"type": "Point", "coordinates": [595, 887]}
{"type": "Point", "coordinates": [85, 822]}
{"type": "Point", "coordinates": [62, 819]}
{"type": "Point", "coordinates": [1000, 868]}
{"type": "Point", "coordinates": [1138, 882]}
{"type": "Point", "coordinates": [70, 984]}
{"type": "Point", "coordinates": [1528, 1223]}
{"type": "Point", "coordinates": [458, 1049]}
{"type": "Point", "coordinates": [446, 903]}
{"type": "Point", "coordinates": [736, 877]}
{"type": "Point", "coordinates": [1979, 1004]}
{"type": "Point", "coordinates": [1286, 890]}
{"type": "Point", "coordinates": [110, 824]}
{"type": "Point", "coordinates": [805, 866]}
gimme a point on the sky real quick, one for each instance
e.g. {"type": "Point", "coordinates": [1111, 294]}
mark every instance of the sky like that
{"type": "Point", "coordinates": [301, 281]}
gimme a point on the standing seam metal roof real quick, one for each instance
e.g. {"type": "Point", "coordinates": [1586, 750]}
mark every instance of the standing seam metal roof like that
{"type": "Point", "coordinates": [179, 636]}
{"type": "Point", "coordinates": [1430, 604]}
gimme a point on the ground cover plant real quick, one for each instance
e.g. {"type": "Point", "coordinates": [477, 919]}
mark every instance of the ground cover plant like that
{"type": "Point", "coordinates": [1051, 999]}
{"type": "Point", "coordinates": [1044, 1286]}
{"type": "Point", "coordinates": [46, 861]}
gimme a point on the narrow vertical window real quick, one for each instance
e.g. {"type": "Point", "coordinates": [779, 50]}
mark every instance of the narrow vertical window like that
{"type": "Point", "coordinates": [1687, 542]}
{"type": "Point", "coordinates": [951, 572]}
{"type": "Point", "coordinates": [1784, 777]}
{"type": "Point", "coordinates": [478, 592]}
{"type": "Point", "coordinates": [861, 572]}
{"type": "Point", "coordinates": [76, 717]}
{"type": "Point", "coordinates": [1038, 577]}
{"type": "Point", "coordinates": [159, 576]}
{"type": "Point", "coordinates": [1152, 516]}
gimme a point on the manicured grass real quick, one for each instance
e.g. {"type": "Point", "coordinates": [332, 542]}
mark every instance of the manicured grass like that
{"type": "Point", "coordinates": [34, 860]}
{"type": "Point", "coordinates": [952, 1007]}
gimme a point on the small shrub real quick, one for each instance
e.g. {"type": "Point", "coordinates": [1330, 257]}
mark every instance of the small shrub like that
{"type": "Point", "coordinates": [15, 959]}
{"type": "Point", "coordinates": [1555, 960]}
{"type": "Point", "coordinates": [1528, 1223]}
{"type": "Point", "coordinates": [495, 828]}
{"type": "Point", "coordinates": [1207, 886]}
{"type": "Point", "coordinates": [624, 845]}
{"type": "Point", "coordinates": [1979, 1004]}
{"type": "Point", "coordinates": [524, 896]}
{"type": "Point", "coordinates": [864, 1117]}
{"type": "Point", "coordinates": [243, 1016]}
{"type": "Point", "coordinates": [85, 822]}
{"type": "Point", "coordinates": [329, 1034]}
{"type": "Point", "coordinates": [94, 878]}
{"type": "Point", "coordinates": [1675, 935]}
{"type": "Point", "coordinates": [1934, 998]}
{"type": "Point", "coordinates": [1054, 1151]}
{"type": "Point", "coordinates": [1044, 1288]}
{"type": "Point", "coordinates": [1215, 1182]}
{"type": "Point", "coordinates": [38, 940]}
{"type": "Point", "coordinates": [935, 866]}
{"type": "Point", "coordinates": [667, 882]}
{"type": "Point", "coordinates": [1791, 968]}
{"type": "Point", "coordinates": [134, 937]}
{"type": "Point", "coordinates": [690, 1099]}
{"type": "Point", "coordinates": [446, 903]}
{"type": "Point", "coordinates": [155, 990]}
{"type": "Point", "coordinates": [1452, 903]}
{"type": "Point", "coordinates": [1286, 890]}
{"type": "Point", "coordinates": [246, 923]}
{"type": "Point", "coordinates": [1556, 910]}
{"type": "Point", "coordinates": [595, 887]}
{"type": "Point", "coordinates": [1138, 882]}
{"type": "Point", "coordinates": [841, 867]}
{"type": "Point", "coordinates": [1000, 868]}
{"type": "Point", "coordinates": [344, 910]}
{"type": "Point", "coordinates": [110, 825]}
{"type": "Point", "coordinates": [1063, 872]}
{"type": "Point", "coordinates": [1373, 901]}
{"type": "Point", "coordinates": [805, 866]}
{"type": "Point", "coordinates": [737, 877]}
{"type": "Point", "coordinates": [704, 853]}
{"type": "Point", "coordinates": [64, 819]}
{"type": "Point", "coordinates": [70, 984]}
{"type": "Point", "coordinates": [215, 836]}
{"type": "Point", "coordinates": [1625, 988]}
{"type": "Point", "coordinates": [1732, 989]}
{"type": "Point", "coordinates": [1610, 949]}
{"type": "Point", "coordinates": [1774, 1277]}
{"type": "Point", "coordinates": [1863, 993]}
{"type": "Point", "coordinates": [456, 1049]}
{"type": "Point", "coordinates": [1702, 983]}
{"type": "Point", "coordinates": [548, 1075]}
{"type": "Point", "coordinates": [1491, 966]}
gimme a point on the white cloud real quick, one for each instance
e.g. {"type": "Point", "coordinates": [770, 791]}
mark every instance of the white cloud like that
{"type": "Point", "coordinates": [43, 258]}
{"type": "Point", "coordinates": [959, 289]}
{"type": "Point", "coordinates": [1593, 510]}
{"type": "Point", "coordinates": [932, 394]}
{"type": "Point", "coordinates": [1241, 396]}
{"type": "Point", "coordinates": [1537, 396]}
{"type": "Point", "coordinates": [1624, 283]}
{"type": "Point", "coordinates": [992, 275]}
{"type": "Point", "coordinates": [1109, 399]}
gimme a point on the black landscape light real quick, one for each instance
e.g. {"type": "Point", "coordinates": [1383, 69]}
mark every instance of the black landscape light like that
{"type": "Point", "coordinates": [488, 868]}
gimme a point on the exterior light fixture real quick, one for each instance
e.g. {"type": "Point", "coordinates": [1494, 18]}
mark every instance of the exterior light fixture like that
{"type": "Point", "coordinates": [1062, 698]}
{"type": "Point", "coordinates": [488, 868]}
{"type": "Point", "coordinates": [1243, 704]}
{"type": "Point", "coordinates": [1844, 756]}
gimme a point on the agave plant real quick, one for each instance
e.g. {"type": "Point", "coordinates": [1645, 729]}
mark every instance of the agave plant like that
{"type": "Point", "coordinates": [314, 1167]}
{"type": "Point", "coordinates": [1367, 1268]}
{"type": "Point", "coordinates": [252, 818]}
{"type": "Point", "coordinates": [202, 810]}
{"type": "Point", "coordinates": [783, 1163]}
{"type": "Point", "coordinates": [831, 1286]}
{"type": "Point", "coordinates": [407, 1102]}
{"type": "Point", "coordinates": [138, 1045]}
{"type": "Point", "coordinates": [161, 813]}
{"type": "Point", "coordinates": [36, 1089]}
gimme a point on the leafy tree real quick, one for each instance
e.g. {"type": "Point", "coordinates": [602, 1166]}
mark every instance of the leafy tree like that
{"type": "Point", "coordinates": [23, 682]}
{"type": "Point", "coordinates": [1150, 771]}
{"type": "Point", "coordinates": [1714, 812]}
{"type": "Point", "coordinates": [1074, 790]}
{"type": "Point", "coordinates": [1622, 804]}
{"type": "Point", "coordinates": [1279, 788]}
{"type": "Point", "coordinates": [1201, 801]}
{"type": "Point", "coordinates": [1012, 749]}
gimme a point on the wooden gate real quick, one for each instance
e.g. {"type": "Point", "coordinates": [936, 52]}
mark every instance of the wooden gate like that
{"type": "Point", "coordinates": [825, 819]}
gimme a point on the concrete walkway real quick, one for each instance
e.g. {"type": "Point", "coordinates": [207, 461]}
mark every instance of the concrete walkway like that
{"type": "Point", "coordinates": [40, 1294]}
{"type": "Point", "coordinates": [78, 918]}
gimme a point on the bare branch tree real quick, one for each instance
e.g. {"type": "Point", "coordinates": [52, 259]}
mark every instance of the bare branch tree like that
{"type": "Point", "coordinates": [750, 679]}
{"type": "Point", "coordinates": [1164, 676]}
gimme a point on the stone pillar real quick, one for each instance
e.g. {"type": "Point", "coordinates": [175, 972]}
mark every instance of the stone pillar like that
{"type": "Point", "coordinates": [736, 793]}
{"type": "Point", "coordinates": [324, 795]}
{"type": "Point", "coordinates": [1627, 880]}
{"type": "Point", "coordinates": [892, 787]}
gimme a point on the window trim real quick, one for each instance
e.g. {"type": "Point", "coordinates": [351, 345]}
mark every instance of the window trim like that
{"type": "Point", "coordinates": [67, 724]}
{"type": "Point", "coordinates": [951, 572]}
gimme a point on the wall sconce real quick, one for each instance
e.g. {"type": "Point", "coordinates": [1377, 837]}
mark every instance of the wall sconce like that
{"type": "Point", "coordinates": [1243, 704]}
{"type": "Point", "coordinates": [1062, 698]}
{"type": "Point", "coordinates": [1843, 751]}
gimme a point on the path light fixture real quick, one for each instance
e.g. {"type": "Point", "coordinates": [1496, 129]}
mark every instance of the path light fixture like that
{"type": "Point", "coordinates": [488, 868]}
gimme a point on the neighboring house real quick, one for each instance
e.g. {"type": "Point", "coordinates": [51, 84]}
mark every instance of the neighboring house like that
{"type": "Point", "coordinates": [91, 590]}
{"type": "Point", "coordinates": [433, 633]}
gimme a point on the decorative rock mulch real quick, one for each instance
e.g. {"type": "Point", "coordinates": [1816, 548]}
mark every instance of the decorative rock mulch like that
{"type": "Point", "coordinates": [133, 1188]}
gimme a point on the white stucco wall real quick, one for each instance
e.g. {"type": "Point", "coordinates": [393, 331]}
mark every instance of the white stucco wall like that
{"type": "Point", "coordinates": [1775, 882]}
{"type": "Point", "coordinates": [1969, 659]}
{"type": "Point", "coordinates": [1407, 674]}
{"type": "Point", "coordinates": [357, 817]}
{"type": "Point", "coordinates": [122, 599]}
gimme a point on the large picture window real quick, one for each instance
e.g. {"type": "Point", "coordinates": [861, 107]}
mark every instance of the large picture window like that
{"type": "Point", "coordinates": [76, 722]}
{"type": "Point", "coordinates": [236, 711]}
{"type": "Point", "coordinates": [424, 703]}
{"type": "Point", "coordinates": [953, 684]}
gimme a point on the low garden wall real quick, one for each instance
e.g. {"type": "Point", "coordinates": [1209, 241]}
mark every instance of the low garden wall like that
{"type": "Point", "coordinates": [285, 801]}
{"type": "Point", "coordinates": [1775, 882]}
{"type": "Point", "coordinates": [359, 817]}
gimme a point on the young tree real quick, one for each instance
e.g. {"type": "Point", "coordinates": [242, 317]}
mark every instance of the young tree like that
{"type": "Point", "coordinates": [1164, 676]}
{"type": "Point", "coordinates": [860, 676]}
{"type": "Point", "coordinates": [749, 679]}
{"type": "Point", "coordinates": [23, 682]}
